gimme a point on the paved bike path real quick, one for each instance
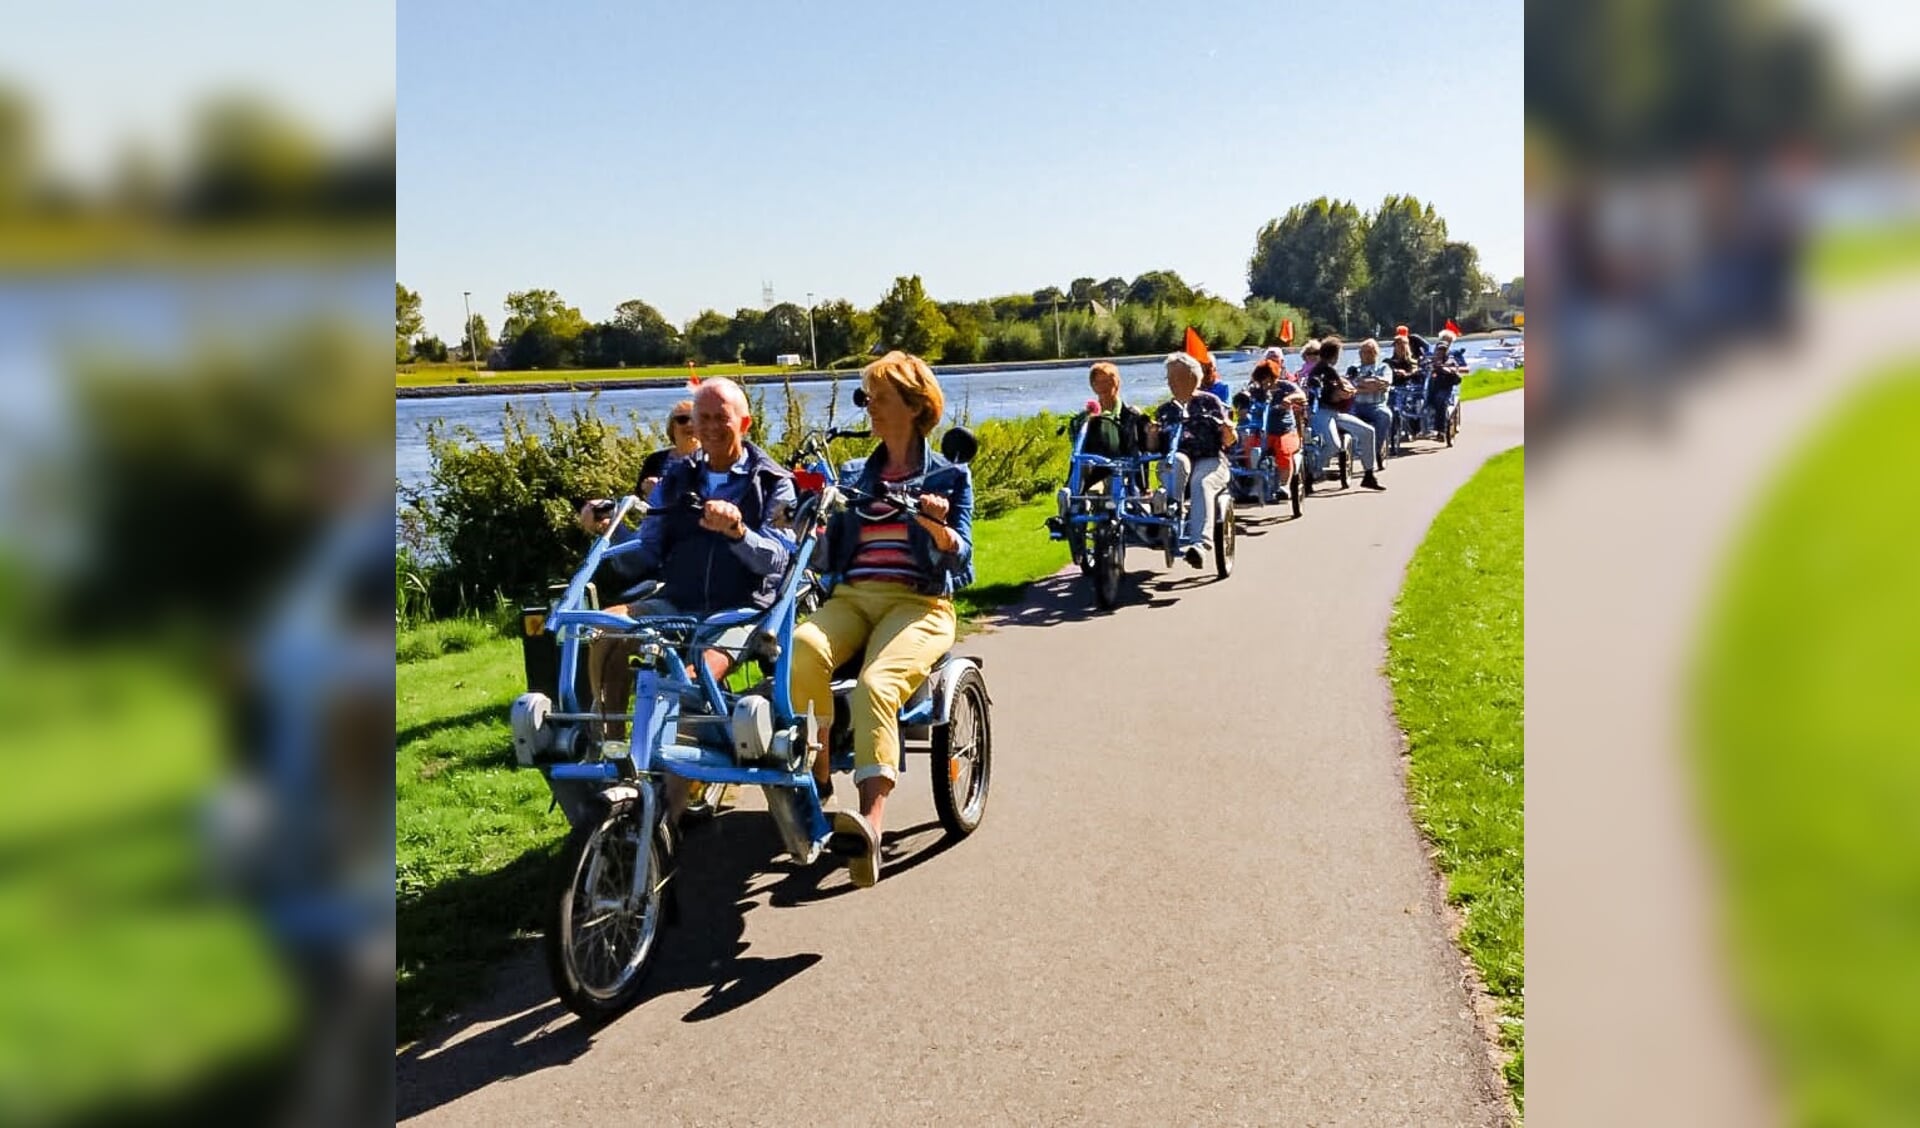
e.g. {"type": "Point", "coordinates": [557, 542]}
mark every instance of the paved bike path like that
{"type": "Point", "coordinates": [1197, 896]}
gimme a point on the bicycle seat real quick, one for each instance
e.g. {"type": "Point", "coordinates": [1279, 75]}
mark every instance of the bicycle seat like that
{"type": "Point", "coordinates": [847, 674]}
{"type": "Point", "coordinates": [721, 619]}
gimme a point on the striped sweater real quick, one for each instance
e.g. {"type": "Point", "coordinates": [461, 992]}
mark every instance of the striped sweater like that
{"type": "Point", "coordinates": [883, 555]}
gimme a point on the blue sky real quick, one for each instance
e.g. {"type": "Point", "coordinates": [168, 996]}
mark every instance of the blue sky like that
{"type": "Point", "coordinates": [683, 154]}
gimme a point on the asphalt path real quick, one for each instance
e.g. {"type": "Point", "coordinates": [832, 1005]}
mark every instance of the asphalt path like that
{"type": "Point", "coordinates": [1197, 897]}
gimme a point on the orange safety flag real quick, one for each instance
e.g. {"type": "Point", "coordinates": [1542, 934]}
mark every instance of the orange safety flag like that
{"type": "Point", "coordinates": [1286, 331]}
{"type": "Point", "coordinates": [693, 378]}
{"type": "Point", "coordinates": [1453, 327]}
{"type": "Point", "coordinates": [1196, 348]}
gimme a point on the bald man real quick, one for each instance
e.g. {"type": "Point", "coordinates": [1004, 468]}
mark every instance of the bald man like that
{"type": "Point", "coordinates": [711, 542]}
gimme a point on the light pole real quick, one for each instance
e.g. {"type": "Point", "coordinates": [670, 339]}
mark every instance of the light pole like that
{"type": "Point", "coordinates": [1431, 294]}
{"type": "Point", "coordinates": [465, 295]}
{"type": "Point", "coordinates": [813, 346]}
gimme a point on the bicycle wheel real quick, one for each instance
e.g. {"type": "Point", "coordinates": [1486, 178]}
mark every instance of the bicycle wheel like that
{"type": "Point", "coordinates": [963, 758]}
{"type": "Point", "coordinates": [1108, 567]}
{"type": "Point", "coordinates": [1223, 537]}
{"type": "Point", "coordinates": [603, 934]}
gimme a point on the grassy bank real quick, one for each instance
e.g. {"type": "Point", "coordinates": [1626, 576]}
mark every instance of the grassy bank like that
{"type": "Point", "coordinates": [1858, 256]}
{"type": "Point", "coordinates": [1805, 726]}
{"type": "Point", "coordinates": [474, 839]}
{"type": "Point", "coordinates": [132, 986]}
{"type": "Point", "coordinates": [1491, 382]}
{"type": "Point", "coordinates": [1455, 659]}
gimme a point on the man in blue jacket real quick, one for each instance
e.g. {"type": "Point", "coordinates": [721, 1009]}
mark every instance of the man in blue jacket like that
{"type": "Point", "coordinates": [709, 538]}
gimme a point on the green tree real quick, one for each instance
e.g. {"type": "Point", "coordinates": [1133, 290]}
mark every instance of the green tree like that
{"type": "Point", "coordinates": [251, 159]}
{"type": "Point", "coordinates": [1046, 296]}
{"type": "Point", "coordinates": [478, 335]}
{"type": "Point", "coordinates": [968, 344]}
{"type": "Point", "coordinates": [908, 319]}
{"type": "Point", "coordinates": [19, 152]}
{"type": "Point", "coordinates": [406, 312]}
{"type": "Point", "coordinates": [1310, 257]}
{"type": "Point", "coordinates": [1159, 287]}
{"type": "Point", "coordinates": [841, 331]}
{"type": "Point", "coordinates": [1113, 291]}
{"type": "Point", "coordinates": [782, 329]}
{"type": "Point", "coordinates": [551, 328]}
{"type": "Point", "coordinates": [1515, 292]}
{"type": "Point", "coordinates": [406, 320]}
{"type": "Point", "coordinates": [1083, 290]}
{"type": "Point", "coordinates": [641, 336]}
{"type": "Point", "coordinates": [707, 335]}
{"type": "Point", "coordinates": [1403, 240]}
{"type": "Point", "coordinates": [430, 348]}
{"type": "Point", "coordinates": [1456, 278]}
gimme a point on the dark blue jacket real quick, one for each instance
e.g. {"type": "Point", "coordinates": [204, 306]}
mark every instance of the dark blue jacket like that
{"type": "Point", "coordinates": [942, 573]}
{"type": "Point", "coordinates": [701, 571]}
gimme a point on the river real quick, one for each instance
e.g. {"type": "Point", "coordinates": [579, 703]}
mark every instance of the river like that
{"type": "Point", "coordinates": [998, 394]}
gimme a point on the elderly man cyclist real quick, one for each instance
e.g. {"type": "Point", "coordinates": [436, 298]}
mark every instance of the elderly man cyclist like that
{"type": "Point", "coordinates": [1198, 468]}
{"type": "Point", "coordinates": [709, 539]}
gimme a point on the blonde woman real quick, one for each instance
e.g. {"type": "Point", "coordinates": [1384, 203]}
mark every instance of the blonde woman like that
{"type": "Point", "coordinates": [893, 578]}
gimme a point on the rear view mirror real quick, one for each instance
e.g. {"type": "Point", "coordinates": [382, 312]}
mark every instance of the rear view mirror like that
{"type": "Point", "coordinates": [959, 445]}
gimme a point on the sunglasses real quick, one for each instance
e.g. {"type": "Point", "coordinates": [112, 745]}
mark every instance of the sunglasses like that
{"type": "Point", "coordinates": [683, 419]}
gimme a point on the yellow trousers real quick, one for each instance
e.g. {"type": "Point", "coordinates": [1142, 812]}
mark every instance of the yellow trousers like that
{"type": "Point", "coordinates": [904, 632]}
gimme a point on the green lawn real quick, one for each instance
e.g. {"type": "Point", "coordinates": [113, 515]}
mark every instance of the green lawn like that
{"type": "Point", "coordinates": [1456, 661]}
{"type": "Point", "coordinates": [133, 986]}
{"type": "Point", "coordinates": [1807, 733]}
{"type": "Point", "coordinates": [1862, 255]}
{"type": "Point", "coordinates": [1491, 382]}
{"type": "Point", "coordinates": [427, 375]}
{"type": "Point", "coordinates": [473, 834]}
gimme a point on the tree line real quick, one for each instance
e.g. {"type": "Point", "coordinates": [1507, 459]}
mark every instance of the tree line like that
{"type": "Point", "coordinates": [1323, 267]}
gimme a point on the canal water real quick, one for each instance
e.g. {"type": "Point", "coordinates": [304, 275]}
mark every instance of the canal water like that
{"type": "Point", "coordinates": [1001, 394]}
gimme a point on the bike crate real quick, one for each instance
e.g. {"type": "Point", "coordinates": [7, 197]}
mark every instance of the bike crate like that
{"type": "Point", "coordinates": [540, 655]}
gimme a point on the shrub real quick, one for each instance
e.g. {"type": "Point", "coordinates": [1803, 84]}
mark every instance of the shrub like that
{"type": "Point", "coordinates": [500, 519]}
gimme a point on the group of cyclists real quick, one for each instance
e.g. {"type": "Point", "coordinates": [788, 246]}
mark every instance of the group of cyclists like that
{"type": "Point", "coordinates": [1275, 411]}
{"type": "Point", "coordinates": [716, 535]}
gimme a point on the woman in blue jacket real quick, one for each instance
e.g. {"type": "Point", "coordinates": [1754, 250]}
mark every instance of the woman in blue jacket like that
{"type": "Point", "coordinates": [893, 579]}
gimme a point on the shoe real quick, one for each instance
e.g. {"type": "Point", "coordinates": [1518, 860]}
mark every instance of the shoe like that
{"type": "Point", "coordinates": [1369, 482]}
{"type": "Point", "coordinates": [1056, 526]}
{"type": "Point", "coordinates": [1194, 558]}
{"type": "Point", "coordinates": [854, 839]}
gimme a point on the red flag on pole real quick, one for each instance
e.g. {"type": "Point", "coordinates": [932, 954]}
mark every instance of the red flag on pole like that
{"type": "Point", "coordinates": [693, 378]}
{"type": "Point", "coordinates": [1197, 348]}
{"type": "Point", "coordinates": [1286, 331]}
{"type": "Point", "coordinates": [1452, 328]}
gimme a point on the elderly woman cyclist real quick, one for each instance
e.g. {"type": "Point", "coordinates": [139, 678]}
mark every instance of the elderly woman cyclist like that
{"type": "Point", "coordinates": [896, 575]}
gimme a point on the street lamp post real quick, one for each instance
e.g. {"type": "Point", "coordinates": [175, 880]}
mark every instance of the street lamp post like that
{"type": "Point", "coordinates": [813, 346]}
{"type": "Point", "coordinates": [1431, 294]}
{"type": "Point", "coordinates": [466, 304]}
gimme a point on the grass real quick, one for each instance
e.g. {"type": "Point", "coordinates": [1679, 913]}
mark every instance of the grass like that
{"type": "Point", "coordinates": [431, 375]}
{"type": "Point", "coordinates": [1456, 660]}
{"type": "Point", "coordinates": [1491, 382]}
{"type": "Point", "coordinates": [134, 986]}
{"type": "Point", "coordinates": [474, 838]}
{"type": "Point", "coordinates": [1807, 736]}
{"type": "Point", "coordinates": [1855, 256]}
{"type": "Point", "coordinates": [443, 636]}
